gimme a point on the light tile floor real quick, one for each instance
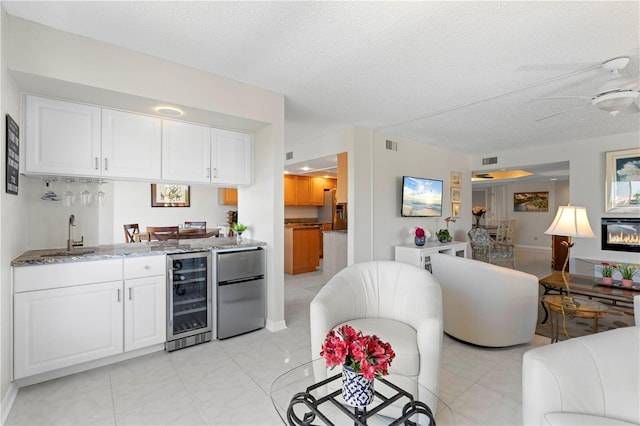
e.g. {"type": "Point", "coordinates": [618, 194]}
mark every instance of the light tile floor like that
{"type": "Point", "coordinates": [227, 382]}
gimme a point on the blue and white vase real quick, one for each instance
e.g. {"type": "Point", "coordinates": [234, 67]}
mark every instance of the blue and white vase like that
{"type": "Point", "coordinates": [419, 241]}
{"type": "Point", "coordinates": [357, 390]}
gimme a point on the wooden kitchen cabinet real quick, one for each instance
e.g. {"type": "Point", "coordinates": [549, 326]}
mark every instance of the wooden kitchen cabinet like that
{"type": "Point", "coordinates": [229, 196]}
{"type": "Point", "coordinates": [301, 249]}
{"type": "Point", "coordinates": [61, 138]}
{"type": "Point", "coordinates": [131, 145]}
{"type": "Point", "coordinates": [305, 190]}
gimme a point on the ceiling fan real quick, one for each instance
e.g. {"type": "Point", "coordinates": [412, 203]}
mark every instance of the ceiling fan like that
{"type": "Point", "coordinates": [618, 95]}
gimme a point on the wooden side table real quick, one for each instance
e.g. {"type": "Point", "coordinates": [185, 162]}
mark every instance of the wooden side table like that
{"type": "Point", "coordinates": [585, 308]}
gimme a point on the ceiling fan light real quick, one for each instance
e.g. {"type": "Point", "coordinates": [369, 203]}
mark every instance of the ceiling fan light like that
{"type": "Point", "coordinates": [615, 102]}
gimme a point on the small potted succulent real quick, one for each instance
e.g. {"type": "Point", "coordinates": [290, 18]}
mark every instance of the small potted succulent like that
{"type": "Point", "coordinates": [238, 228]}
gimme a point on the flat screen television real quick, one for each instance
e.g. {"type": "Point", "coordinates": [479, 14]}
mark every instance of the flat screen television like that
{"type": "Point", "coordinates": [421, 197]}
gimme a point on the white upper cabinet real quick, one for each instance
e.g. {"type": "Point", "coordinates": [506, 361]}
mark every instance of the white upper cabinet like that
{"type": "Point", "coordinates": [186, 152]}
{"type": "Point", "coordinates": [61, 137]}
{"type": "Point", "coordinates": [199, 154]}
{"type": "Point", "coordinates": [230, 157]}
{"type": "Point", "coordinates": [131, 145]}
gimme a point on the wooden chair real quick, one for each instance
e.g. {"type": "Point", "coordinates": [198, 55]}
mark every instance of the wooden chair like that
{"type": "Point", "coordinates": [162, 233]}
{"type": "Point", "coordinates": [202, 226]}
{"type": "Point", "coordinates": [130, 230]}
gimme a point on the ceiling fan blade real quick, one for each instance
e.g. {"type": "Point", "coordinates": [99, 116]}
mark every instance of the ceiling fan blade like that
{"type": "Point", "coordinates": [554, 98]}
{"type": "Point", "coordinates": [634, 108]}
{"type": "Point", "coordinates": [562, 112]}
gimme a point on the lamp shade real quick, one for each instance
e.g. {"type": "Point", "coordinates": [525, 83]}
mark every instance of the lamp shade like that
{"type": "Point", "coordinates": [571, 221]}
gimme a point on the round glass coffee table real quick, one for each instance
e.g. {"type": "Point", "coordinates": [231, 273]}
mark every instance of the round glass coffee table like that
{"type": "Point", "coordinates": [584, 308]}
{"type": "Point", "coordinates": [310, 394]}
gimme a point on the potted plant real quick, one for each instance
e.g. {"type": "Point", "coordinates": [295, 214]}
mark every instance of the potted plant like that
{"type": "Point", "coordinates": [606, 269]}
{"type": "Point", "coordinates": [420, 235]}
{"type": "Point", "coordinates": [363, 358]}
{"type": "Point", "coordinates": [238, 228]}
{"type": "Point", "coordinates": [443, 234]}
{"type": "Point", "coordinates": [627, 272]}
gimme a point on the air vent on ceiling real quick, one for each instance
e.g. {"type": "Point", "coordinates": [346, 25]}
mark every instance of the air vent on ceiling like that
{"type": "Point", "coordinates": [489, 160]}
{"type": "Point", "coordinates": [288, 155]}
{"type": "Point", "coordinates": [391, 145]}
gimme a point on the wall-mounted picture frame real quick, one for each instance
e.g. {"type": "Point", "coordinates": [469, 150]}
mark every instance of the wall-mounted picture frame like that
{"type": "Point", "coordinates": [12, 163]}
{"type": "Point", "coordinates": [456, 179]}
{"type": "Point", "coordinates": [456, 195]}
{"type": "Point", "coordinates": [455, 210]}
{"type": "Point", "coordinates": [169, 195]}
{"type": "Point", "coordinates": [531, 201]}
{"type": "Point", "coordinates": [622, 181]}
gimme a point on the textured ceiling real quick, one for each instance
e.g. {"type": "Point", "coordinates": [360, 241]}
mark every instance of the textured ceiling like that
{"type": "Point", "coordinates": [459, 75]}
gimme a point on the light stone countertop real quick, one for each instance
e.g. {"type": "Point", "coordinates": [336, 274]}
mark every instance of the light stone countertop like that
{"type": "Point", "coordinates": [113, 251]}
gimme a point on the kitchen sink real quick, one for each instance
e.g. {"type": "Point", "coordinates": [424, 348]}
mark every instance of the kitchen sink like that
{"type": "Point", "coordinates": [68, 253]}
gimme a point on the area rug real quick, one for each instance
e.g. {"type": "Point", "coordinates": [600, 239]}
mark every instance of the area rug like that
{"type": "Point", "coordinates": [616, 317]}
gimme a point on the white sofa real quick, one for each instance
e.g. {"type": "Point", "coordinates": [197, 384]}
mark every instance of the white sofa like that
{"type": "Point", "coordinates": [398, 302]}
{"type": "Point", "coordinates": [589, 380]}
{"type": "Point", "coordinates": [485, 304]}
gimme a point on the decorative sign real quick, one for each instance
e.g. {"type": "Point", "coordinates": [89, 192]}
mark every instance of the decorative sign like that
{"type": "Point", "coordinates": [13, 156]}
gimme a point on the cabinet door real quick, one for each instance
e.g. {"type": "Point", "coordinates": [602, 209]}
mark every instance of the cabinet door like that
{"type": "Point", "coordinates": [318, 185]}
{"type": "Point", "coordinates": [131, 145]}
{"type": "Point", "coordinates": [186, 152]}
{"type": "Point", "coordinates": [66, 326]}
{"type": "Point", "coordinates": [231, 160]}
{"type": "Point", "coordinates": [289, 190]}
{"type": "Point", "coordinates": [229, 196]}
{"type": "Point", "coordinates": [303, 191]}
{"type": "Point", "coordinates": [61, 138]}
{"type": "Point", "coordinates": [145, 311]}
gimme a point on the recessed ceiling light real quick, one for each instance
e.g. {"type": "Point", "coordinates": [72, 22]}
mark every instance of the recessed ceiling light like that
{"type": "Point", "coordinates": [305, 168]}
{"type": "Point", "coordinates": [169, 111]}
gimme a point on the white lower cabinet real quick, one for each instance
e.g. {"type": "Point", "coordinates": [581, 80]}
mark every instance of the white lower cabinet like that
{"type": "Point", "coordinates": [145, 312]}
{"type": "Point", "coordinates": [61, 327]}
{"type": "Point", "coordinates": [70, 313]}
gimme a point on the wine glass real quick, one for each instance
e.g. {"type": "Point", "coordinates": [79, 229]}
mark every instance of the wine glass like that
{"type": "Point", "coordinates": [49, 195]}
{"type": "Point", "coordinates": [101, 196]}
{"type": "Point", "coordinates": [85, 196]}
{"type": "Point", "coordinates": [68, 196]}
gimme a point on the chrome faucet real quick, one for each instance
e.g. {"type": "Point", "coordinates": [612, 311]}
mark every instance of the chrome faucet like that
{"type": "Point", "coordinates": [70, 242]}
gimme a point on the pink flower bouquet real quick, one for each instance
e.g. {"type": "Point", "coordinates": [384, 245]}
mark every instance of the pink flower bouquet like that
{"type": "Point", "coordinates": [419, 232]}
{"type": "Point", "coordinates": [364, 354]}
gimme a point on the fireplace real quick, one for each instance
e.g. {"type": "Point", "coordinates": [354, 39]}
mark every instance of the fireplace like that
{"type": "Point", "coordinates": [621, 234]}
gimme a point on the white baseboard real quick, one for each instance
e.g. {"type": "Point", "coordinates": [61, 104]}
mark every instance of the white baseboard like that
{"type": "Point", "coordinates": [274, 326]}
{"type": "Point", "coordinates": [7, 402]}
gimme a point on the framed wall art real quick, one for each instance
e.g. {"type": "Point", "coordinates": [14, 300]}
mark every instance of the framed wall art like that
{"type": "Point", "coordinates": [456, 179]}
{"type": "Point", "coordinates": [456, 195]}
{"type": "Point", "coordinates": [455, 210]}
{"type": "Point", "coordinates": [168, 195]}
{"type": "Point", "coordinates": [622, 181]}
{"type": "Point", "coordinates": [531, 201]}
{"type": "Point", "coordinates": [13, 156]}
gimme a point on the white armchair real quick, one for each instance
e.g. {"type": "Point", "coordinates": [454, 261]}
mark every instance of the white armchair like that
{"type": "Point", "coordinates": [485, 304]}
{"type": "Point", "coordinates": [398, 302]}
{"type": "Point", "coordinates": [588, 380]}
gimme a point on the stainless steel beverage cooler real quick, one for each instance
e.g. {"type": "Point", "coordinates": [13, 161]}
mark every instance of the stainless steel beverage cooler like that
{"type": "Point", "coordinates": [189, 300]}
{"type": "Point", "coordinates": [240, 291]}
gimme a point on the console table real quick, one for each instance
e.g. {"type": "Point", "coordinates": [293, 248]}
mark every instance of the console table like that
{"type": "Point", "coordinates": [421, 255]}
{"type": "Point", "coordinates": [589, 287]}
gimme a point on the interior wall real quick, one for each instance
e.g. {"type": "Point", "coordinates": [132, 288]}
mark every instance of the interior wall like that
{"type": "Point", "coordinates": [300, 212]}
{"type": "Point", "coordinates": [389, 228]}
{"type": "Point", "coordinates": [586, 177]}
{"type": "Point", "coordinates": [13, 227]}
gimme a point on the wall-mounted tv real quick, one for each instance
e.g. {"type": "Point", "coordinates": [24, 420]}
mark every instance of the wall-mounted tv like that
{"type": "Point", "coordinates": [421, 197]}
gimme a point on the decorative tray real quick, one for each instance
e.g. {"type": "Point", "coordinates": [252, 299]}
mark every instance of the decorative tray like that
{"type": "Point", "coordinates": [618, 284]}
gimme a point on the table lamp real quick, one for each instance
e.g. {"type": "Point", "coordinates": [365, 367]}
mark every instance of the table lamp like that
{"type": "Point", "coordinates": [570, 221]}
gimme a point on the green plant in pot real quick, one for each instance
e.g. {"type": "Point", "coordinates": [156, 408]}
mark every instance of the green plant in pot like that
{"type": "Point", "coordinates": [443, 234]}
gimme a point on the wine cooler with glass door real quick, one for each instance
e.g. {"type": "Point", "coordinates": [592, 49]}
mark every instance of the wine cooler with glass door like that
{"type": "Point", "coordinates": [189, 300]}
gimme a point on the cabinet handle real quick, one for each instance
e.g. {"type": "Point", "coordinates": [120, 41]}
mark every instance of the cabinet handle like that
{"type": "Point", "coordinates": [208, 173]}
{"type": "Point", "coordinates": [97, 163]}
{"type": "Point", "coordinates": [118, 295]}
{"type": "Point", "coordinates": [106, 164]}
{"type": "Point", "coordinates": [147, 267]}
{"type": "Point", "coordinates": [215, 172]}
{"type": "Point", "coordinates": [130, 293]}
